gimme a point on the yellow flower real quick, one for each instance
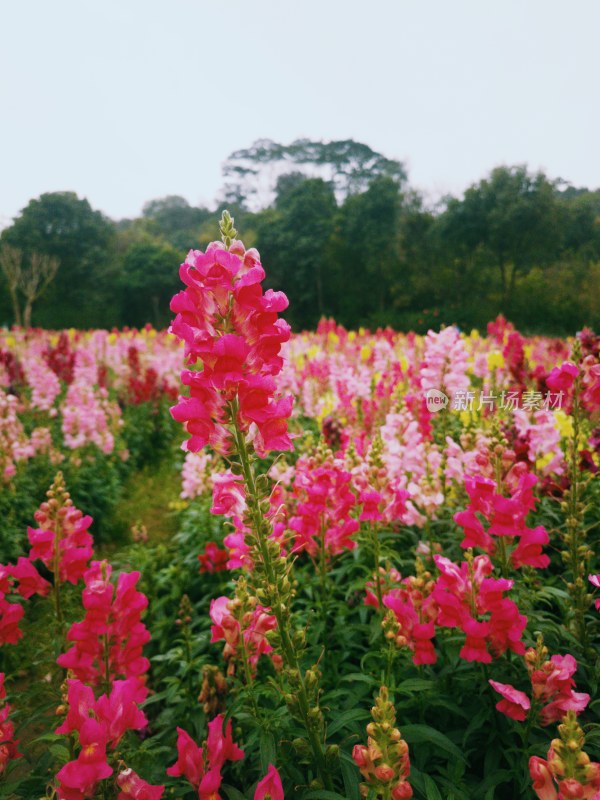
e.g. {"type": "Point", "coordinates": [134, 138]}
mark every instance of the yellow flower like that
{"type": "Point", "coordinates": [465, 417]}
{"type": "Point", "coordinates": [563, 423]}
{"type": "Point", "coordinates": [543, 461]}
{"type": "Point", "coordinates": [327, 407]}
{"type": "Point", "coordinates": [365, 352]}
{"type": "Point", "coordinates": [495, 360]}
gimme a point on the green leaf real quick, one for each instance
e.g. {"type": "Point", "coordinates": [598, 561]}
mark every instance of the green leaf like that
{"type": "Point", "coordinates": [352, 715]}
{"type": "Point", "coordinates": [487, 786]}
{"type": "Point", "coordinates": [232, 793]}
{"type": "Point", "coordinates": [414, 685]}
{"type": "Point", "coordinates": [350, 777]}
{"type": "Point", "coordinates": [268, 753]}
{"type": "Point", "coordinates": [415, 734]}
{"type": "Point", "coordinates": [431, 789]}
{"type": "Point", "coordinates": [359, 676]}
{"type": "Point", "coordinates": [322, 794]}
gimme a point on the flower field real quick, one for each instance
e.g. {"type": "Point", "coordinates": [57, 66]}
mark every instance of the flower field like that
{"type": "Point", "coordinates": [237, 562]}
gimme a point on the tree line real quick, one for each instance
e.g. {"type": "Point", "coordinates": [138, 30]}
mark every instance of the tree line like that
{"type": "Point", "coordinates": [340, 230]}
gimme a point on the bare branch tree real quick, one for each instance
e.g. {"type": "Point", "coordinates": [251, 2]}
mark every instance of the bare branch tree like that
{"type": "Point", "coordinates": [35, 279]}
{"type": "Point", "coordinates": [11, 261]}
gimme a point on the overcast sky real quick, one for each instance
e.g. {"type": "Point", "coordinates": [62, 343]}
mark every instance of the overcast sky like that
{"type": "Point", "coordinates": [127, 100]}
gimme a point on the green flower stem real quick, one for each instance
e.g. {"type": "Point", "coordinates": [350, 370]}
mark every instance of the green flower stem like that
{"type": "Point", "coordinates": [377, 556]}
{"type": "Point", "coordinates": [578, 552]}
{"type": "Point", "coordinates": [278, 607]}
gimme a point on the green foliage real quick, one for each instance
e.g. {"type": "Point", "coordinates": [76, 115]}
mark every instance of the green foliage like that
{"type": "Point", "coordinates": [344, 237]}
{"type": "Point", "coordinates": [60, 224]}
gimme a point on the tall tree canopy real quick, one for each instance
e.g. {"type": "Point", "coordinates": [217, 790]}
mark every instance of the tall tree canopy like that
{"type": "Point", "coordinates": [61, 225]}
{"type": "Point", "coordinates": [251, 174]}
{"type": "Point", "coordinates": [341, 233]}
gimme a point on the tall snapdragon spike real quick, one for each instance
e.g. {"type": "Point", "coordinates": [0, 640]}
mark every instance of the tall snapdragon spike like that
{"type": "Point", "coordinates": [568, 772]}
{"type": "Point", "coordinates": [322, 506]}
{"type": "Point", "coordinates": [505, 518]}
{"type": "Point", "coordinates": [577, 554]}
{"type": "Point", "coordinates": [472, 601]}
{"type": "Point", "coordinates": [62, 541]}
{"type": "Point", "coordinates": [553, 692]}
{"type": "Point", "coordinates": [384, 762]}
{"type": "Point", "coordinates": [108, 642]}
{"type": "Point", "coordinates": [232, 329]}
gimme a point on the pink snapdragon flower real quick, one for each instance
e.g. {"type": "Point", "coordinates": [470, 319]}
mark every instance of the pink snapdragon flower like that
{"type": "Point", "coordinates": [132, 787]}
{"type": "Point", "coordinates": [514, 704]}
{"type": "Point", "coordinates": [253, 626]}
{"type": "Point", "coordinates": [228, 324]}
{"type": "Point", "coordinates": [270, 787]}
{"type": "Point", "coordinates": [62, 538]}
{"type": "Point", "coordinates": [595, 581]}
{"type": "Point", "coordinates": [201, 766]}
{"type": "Point", "coordinates": [229, 494]}
{"type": "Point", "coordinates": [8, 743]}
{"type": "Point", "coordinates": [322, 503]}
{"type": "Point", "coordinates": [111, 635]}
{"type": "Point", "coordinates": [505, 517]}
{"type": "Point", "coordinates": [469, 599]}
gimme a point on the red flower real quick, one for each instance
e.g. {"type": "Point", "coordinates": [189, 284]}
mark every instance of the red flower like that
{"type": "Point", "coordinates": [515, 704]}
{"type": "Point", "coordinates": [214, 559]}
{"type": "Point", "coordinates": [543, 784]}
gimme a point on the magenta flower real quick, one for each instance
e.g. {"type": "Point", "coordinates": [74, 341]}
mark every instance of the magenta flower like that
{"type": "Point", "coordinates": [270, 788]}
{"type": "Point", "coordinates": [233, 329]}
{"type": "Point", "coordinates": [132, 787]}
{"type": "Point", "coordinates": [515, 704]}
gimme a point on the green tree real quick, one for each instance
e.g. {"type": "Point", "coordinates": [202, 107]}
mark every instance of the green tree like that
{"type": "Point", "coordinates": [252, 173]}
{"type": "Point", "coordinates": [509, 220]}
{"type": "Point", "coordinates": [293, 240]}
{"type": "Point", "coordinates": [64, 227]}
{"type": "Point", "coordinates": [172, 218]}
{"type": "Point", "coordinates": [366, 247]}
{"type": "Point", "coordinates": [148, 280]}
